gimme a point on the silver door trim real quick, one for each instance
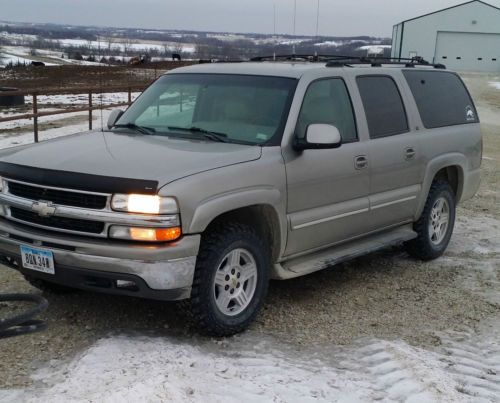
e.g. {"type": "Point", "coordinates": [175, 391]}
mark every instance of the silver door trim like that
{"type": "Point", "coordinates": [391, 203]}
{"type": "Point", "coordinates": [332, 218]}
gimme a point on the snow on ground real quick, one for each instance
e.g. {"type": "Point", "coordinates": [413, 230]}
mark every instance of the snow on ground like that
{"type": "Point", "coordinates": [495, 84]}
{"type": "Point", "coordinates": [374, 49]}
{"type": "Point", "coordinates": [52, 102]}
{"type": "Point", "coordinates": [14, 140]}
{"type": "Point", "coordinates": [464, 367]}
{"type": "Point", "coordinates": [253, 368]}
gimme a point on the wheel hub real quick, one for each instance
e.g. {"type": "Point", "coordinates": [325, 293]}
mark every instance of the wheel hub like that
{"type": "Point", "coordinates": [235, 282]}
{"type": "Point", "coordinates": [439, 220]}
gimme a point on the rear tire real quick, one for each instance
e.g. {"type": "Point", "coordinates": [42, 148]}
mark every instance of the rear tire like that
{"type": "Point", "coordinates": [50, 288]}
{"type": "Point", "coordinates": [231, 280]}
{"type": "Point", "coordinates": [435, 225]}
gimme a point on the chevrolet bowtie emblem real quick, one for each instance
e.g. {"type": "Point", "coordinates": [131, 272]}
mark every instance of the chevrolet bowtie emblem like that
{"type": "Point", "coordinates": [44, 209]}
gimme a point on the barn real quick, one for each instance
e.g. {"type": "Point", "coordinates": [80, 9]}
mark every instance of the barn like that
{"type": "Point", "coordinates": [464, 37]}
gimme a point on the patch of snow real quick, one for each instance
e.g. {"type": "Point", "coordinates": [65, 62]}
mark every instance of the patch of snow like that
{"type": "Point", "coordinates": [329, 43]}
{"type": "Point", "coordinates": [495, 84]}
{"type": "Point", "coordinates": [478, 234]}
{"type": "Point", "coordinates": [248, 368]}
{"type": "Point", "coordinates": [26, 137]}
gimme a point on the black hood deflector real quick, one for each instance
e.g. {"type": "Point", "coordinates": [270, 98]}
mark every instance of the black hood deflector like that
{"type": "Point", "coordinates": [77, 181]}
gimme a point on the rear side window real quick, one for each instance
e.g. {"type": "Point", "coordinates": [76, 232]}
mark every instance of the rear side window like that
{"type": "Point", "coordinates": [383, 105]}
{"type": "Point", "coordinates": [441, 98]}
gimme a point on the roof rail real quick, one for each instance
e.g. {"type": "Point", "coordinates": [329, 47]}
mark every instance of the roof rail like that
{"type": "Point", "coordinates": [294, 57]}
{"type": "Point", "coordinates": [344, 60]}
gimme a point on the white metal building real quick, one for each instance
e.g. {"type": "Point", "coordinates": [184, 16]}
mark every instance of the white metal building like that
{"type": "Point", "coordinates": [463, 37]}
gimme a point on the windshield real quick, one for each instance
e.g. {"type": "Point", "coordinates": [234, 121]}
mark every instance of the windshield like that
{"type": "Point", "coordinates": [216, 107]}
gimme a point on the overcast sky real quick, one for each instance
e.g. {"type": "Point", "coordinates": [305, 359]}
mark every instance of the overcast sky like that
{"type": "Point", "coordinates": [337, 17]}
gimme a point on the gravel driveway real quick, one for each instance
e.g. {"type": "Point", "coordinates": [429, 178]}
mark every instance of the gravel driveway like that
{"type": "Point", "coordinates": [385, 295]}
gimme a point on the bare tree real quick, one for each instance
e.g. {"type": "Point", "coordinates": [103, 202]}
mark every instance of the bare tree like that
{"type": "Point", "coordinates": [178, 48]}
{"type": "Point", "coordinates": [110, 41]}
{"type": "Point", "coordinates": [166, 49]}
{"type": "Point", "coordinates": [127, 46]}
{"type": "Point", "coordinates": [2, 57]}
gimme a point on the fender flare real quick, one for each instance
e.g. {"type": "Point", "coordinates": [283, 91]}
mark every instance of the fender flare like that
{"type": "Point", "coordinates": [436, 165]}
{"type": "Point", "coordinates": [211, 208]}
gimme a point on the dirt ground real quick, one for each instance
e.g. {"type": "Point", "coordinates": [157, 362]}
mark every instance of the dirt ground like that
{"type": "Point", "coordinates": [58, 77]}
{"type": "Point", "coordinates": [384, 295]}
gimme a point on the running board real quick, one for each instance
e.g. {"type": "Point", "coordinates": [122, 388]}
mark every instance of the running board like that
{"type": "Point", "coordinates": [325, 258]}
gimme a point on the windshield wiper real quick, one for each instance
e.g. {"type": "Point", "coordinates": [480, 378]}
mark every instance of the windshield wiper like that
{"type": "Point", "coordinates": [215, 136]}
{"type": "Point", "coordinates": [140, 129]}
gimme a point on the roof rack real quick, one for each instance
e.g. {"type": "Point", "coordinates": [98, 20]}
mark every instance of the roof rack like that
{"type": "Point", "coordinates": [348, 61]}
{"type": "Point", "coordinates": [294, 57]}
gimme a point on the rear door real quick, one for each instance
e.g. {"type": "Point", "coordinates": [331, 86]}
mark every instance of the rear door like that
{"type": "Point", "coordinates": [395, 151]}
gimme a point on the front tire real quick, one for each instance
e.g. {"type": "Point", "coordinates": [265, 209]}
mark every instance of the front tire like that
{"type": "Point", "coordinates": [231, 280]}
{"type": "Point", "coordinates": [435, 225]}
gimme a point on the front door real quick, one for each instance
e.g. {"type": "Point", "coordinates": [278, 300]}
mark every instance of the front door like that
{"type": "Point", "coordinates": [327, 189]}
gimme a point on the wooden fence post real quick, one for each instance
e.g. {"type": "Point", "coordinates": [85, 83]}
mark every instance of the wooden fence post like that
{"type": "Point", "coordinates": [129, 95]}
{"type": "Point", "coordinates": [90, 110]}
{"type": "Point", "coordinates": [35, 117]}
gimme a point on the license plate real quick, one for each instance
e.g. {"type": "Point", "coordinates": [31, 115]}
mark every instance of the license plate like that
{"type": "Point", "coordinates": [38, 259]}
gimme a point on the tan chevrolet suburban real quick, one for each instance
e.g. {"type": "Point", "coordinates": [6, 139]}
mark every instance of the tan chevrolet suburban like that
{"type": "Point", "coordinates": [222, 176]}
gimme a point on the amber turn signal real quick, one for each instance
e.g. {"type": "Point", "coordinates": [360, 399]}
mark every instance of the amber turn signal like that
{"type": "Point", "coordinates": [145, 234]}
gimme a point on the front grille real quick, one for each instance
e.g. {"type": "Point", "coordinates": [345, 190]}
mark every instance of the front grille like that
{"type": "Point", "coordinates": [63, 197]}
{"type": "Point", "coordinates": [71, 224]}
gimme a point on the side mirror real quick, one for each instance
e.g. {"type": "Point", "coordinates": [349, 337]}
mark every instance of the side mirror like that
{"type": "Point", "coordinates": [319, 137]}
{"type": "Point", "coordinates": [113, 117]}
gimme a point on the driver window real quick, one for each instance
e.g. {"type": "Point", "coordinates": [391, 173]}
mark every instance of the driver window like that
{"type": "Point", "coordinates": [327, 101]}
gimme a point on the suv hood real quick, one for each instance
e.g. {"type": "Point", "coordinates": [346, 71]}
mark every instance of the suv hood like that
{"type": "Point", "coordinates": [130, 156]}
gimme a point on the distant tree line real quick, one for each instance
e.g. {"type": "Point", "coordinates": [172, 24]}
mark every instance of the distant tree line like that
{"type": "Point", "coordinates": [114, 45]}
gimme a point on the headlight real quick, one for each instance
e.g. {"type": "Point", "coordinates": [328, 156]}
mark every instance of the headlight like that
{"type": "Point", "coordinates": [145, 234]}
{"type": "Point", "coordinates": [146, 204]}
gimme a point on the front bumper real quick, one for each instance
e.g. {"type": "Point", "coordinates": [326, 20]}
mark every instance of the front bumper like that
{"type": "Point", "coordinates": [160, 271]}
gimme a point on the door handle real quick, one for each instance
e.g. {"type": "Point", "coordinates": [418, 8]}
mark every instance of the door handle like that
{"type": "Point", "coordinates": [361, 162]}
{"type": "Point", "coordinates": [410, 153]}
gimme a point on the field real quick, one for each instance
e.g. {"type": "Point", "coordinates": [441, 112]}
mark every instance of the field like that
{"type": "Point", "coordinates": [382, 327]}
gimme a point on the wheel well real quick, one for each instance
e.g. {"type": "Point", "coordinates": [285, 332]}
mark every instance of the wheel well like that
{"type": "Point", "coordinates": [263, 218]}
{"type": "Point", "coordinates": [453, 176]}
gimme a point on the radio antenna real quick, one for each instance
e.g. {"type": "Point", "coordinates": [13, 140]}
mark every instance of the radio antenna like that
{"type": "Point", "coordinates": [294, 25]}
{"type": "Point", "coordinates": [274, 32]}
{"type": "Point", "coordinates": [317, 21]}
{"type": "Point", "coordinates": [100, 82]}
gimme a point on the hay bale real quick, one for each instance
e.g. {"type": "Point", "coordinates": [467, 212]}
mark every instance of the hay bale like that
{"type": "Point", "coordinates": [7, 101]}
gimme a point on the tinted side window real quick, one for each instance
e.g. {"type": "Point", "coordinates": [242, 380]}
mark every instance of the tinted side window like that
{"type": "Point", "coordinates": [441, 97]}
{"type": "Point", "coordinates": [327, 101]}
{"type": "Point", "coordinates": [383, 105]}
